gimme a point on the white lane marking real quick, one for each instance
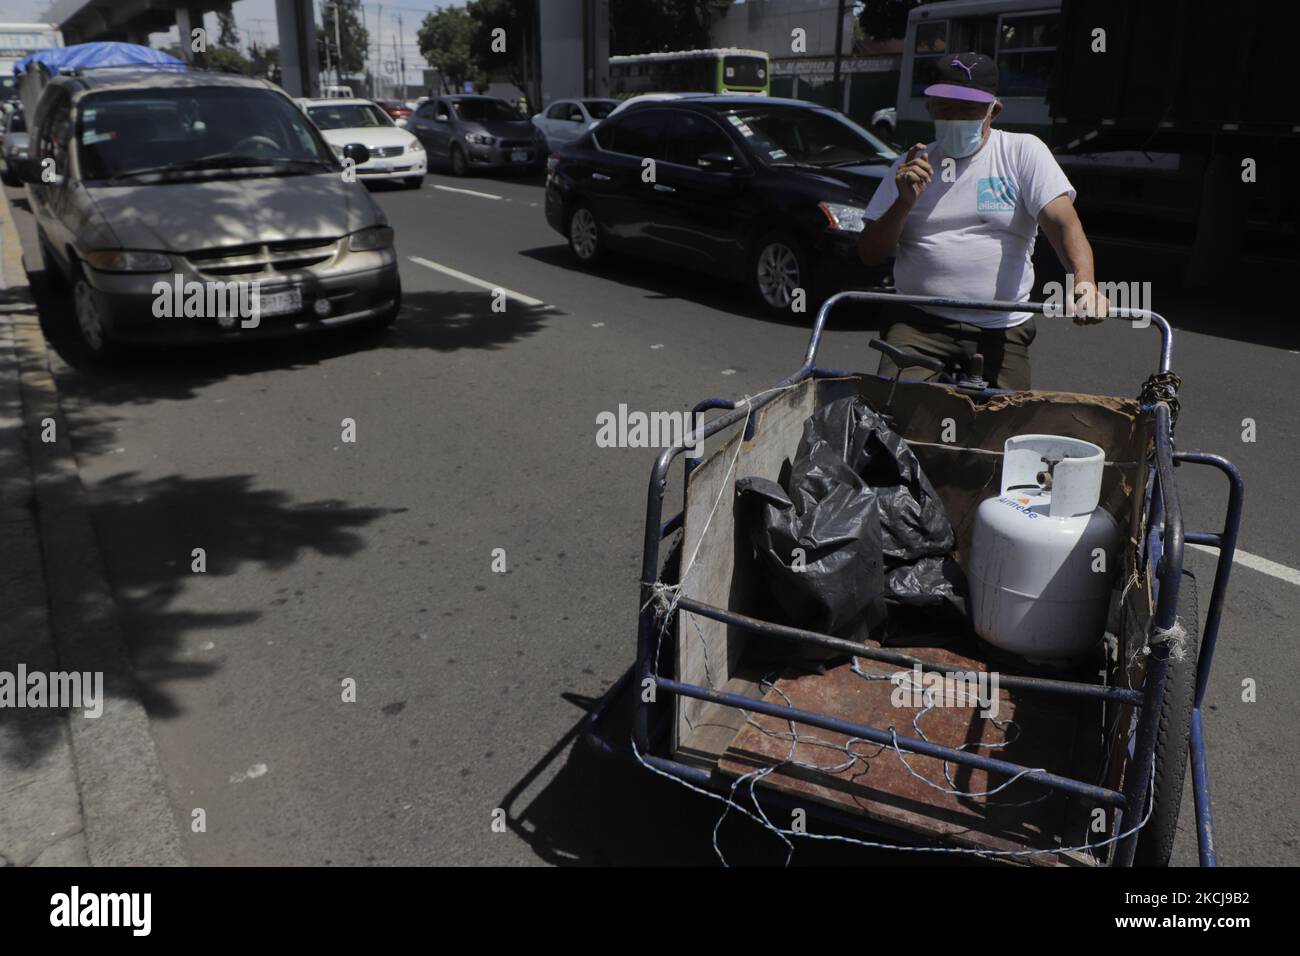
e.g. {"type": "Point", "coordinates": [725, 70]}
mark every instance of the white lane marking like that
{"type": "Point", "coordinates": [659, 346]}
{"type": "Point", "coordinates": [728, 371]}
{"type": "Point", "coordinates": [1256, 563]}
{"type": "Point", "coordinates": [474, 280]}
{"type": "Point", "coordinates": [597, 325]}
{"type": "Point", "coordinates": [467, 192]}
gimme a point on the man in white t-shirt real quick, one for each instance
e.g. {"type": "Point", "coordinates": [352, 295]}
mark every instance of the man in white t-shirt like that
{"type": "Point", "coordinates": [960, 216]}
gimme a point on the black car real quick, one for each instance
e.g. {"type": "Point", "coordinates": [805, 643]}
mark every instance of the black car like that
{"type": "Point", "coordinates": [767, 191]}
{"type": "Point", "coordinates": [477, 132]}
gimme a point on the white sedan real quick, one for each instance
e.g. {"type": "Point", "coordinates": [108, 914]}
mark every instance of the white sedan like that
{"type": "Point", "coordinates": [394, 153]}
{"type": "Point", "coordinates": [565, 120]}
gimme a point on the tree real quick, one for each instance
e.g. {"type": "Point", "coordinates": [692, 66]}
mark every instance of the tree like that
{"type": "Point", "coordinates": [886, 19]}
{"type": "Point", "coordinates": [265, 60]}
{"type": "Point", "coordinates": [227, 34]}
{"type": "Point", "coordinates": [516, 18]}
{"type": "Point", "coordinates": [355, 39]}
{"type": "Point", "coordinates": [656, 26]}
{"type": "Point", "coordinates": [224, 58]}
{"type": "Point", "coordinates": [446, 40]}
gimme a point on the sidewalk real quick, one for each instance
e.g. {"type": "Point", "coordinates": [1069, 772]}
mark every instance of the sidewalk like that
{"type": "Point", "coordinates": [74, 791]}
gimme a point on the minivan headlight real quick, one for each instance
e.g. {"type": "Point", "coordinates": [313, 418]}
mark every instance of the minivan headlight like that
{"type": "Point", "coordinates": [369, 240]}
{"type": "Point", "coordinates": [843, 218]}
{"type": "Point", "coordinates": [121, 260]}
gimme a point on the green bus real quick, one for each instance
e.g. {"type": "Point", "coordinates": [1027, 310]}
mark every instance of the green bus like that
{"type": "Point", "coordinates": [690, 71]}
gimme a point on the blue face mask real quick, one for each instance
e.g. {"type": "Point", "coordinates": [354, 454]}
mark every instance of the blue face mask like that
{"type": "Point", "coordinates": [959, 138]}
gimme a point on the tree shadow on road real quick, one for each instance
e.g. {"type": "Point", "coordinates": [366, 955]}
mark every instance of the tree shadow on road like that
{"type": "Point", "coordinates": [236, 525]}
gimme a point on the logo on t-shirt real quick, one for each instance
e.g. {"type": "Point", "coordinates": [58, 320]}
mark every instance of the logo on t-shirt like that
{"type": "Point", "coordinates": [995, 194]}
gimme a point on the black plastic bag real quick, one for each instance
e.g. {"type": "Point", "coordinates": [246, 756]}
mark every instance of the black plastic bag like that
{"type": "Point", "coordinates": [856, 529]}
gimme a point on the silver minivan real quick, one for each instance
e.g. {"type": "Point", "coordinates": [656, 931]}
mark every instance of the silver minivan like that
{"type": "Point", "coordinates": [196, 207]}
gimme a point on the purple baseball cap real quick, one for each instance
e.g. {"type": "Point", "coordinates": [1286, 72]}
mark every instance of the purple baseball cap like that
{"type": "Point", "coordinates": [965, 76]}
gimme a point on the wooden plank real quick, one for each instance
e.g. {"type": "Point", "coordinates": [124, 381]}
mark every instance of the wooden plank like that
{"type": "Point", "coordinates": [707, 651]}
{"type": "Point", "coordinates": [1045, 733]}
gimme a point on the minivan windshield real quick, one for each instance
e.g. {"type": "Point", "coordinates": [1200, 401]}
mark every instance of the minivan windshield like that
{"type": "Point", "coordinates": [478, 111]}
{"type": "Point", "coordinates": [796, 136]}
{"type": "Point", "coordinates": [190, 131]}
{"type": "Point", "coordinates": [348, 116]}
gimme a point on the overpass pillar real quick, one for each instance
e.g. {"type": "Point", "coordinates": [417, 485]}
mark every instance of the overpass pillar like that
{"type": "Point", "coordinates": [299, 63]}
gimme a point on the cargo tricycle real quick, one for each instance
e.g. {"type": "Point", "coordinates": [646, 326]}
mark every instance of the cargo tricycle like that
{"type": "Point", "coordinates": [809, 733]}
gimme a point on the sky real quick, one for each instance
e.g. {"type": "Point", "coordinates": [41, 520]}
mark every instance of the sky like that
{"type": "Point", "coordinates": [255, 20]}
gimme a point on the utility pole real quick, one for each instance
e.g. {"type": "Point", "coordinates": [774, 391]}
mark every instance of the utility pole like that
{"type": "Point", "coordinates": [379, 41]}
{"type": "Point", "coordinates": [365, 55]}
{"type": "Point", "coordinates": [325, 25]}
{"type": "Point", "coordinates": [401, 60]}
{"type": "Point", "coordinates": [839, 52]}
{"type": "Point", "coordinates": [338, 42]}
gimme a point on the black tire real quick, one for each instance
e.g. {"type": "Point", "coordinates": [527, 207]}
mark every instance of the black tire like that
{"type": "Point", "coordinates": [778, 266]}
{"type": "Point", "coordinates": [86, 330]}
{"type": "Point", "coordinates": [386, 319]}
{"type": "Point", "coordinates": [459, 164]}
{"type": "Point", "coordinates": [586, 238]}
{"type": "Point", "coordinates": [413, 182]}
{"type": "Point", "coordinates": [1156, 839]}
{"type": "Point", "coordinates": [54, 277]}
{"type": "Point", "coordinates": [9, 179]}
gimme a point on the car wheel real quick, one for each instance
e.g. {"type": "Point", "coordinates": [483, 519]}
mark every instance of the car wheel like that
{"type": "Point", "coordinates": [413, 182]}
{"type": "Point", "coordinates": [778, 272]}
{"type": "Point", "coordinates": [8, 178]}
{"type": "Point", "coordinates": [585, 237]}
{"type": "Point", "coordinates": [459, 165]}
{"type": "Point", "coordinates": [88, 325]}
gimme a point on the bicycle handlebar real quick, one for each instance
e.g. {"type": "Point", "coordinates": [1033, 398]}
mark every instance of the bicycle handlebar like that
{"type": "Point", "coordinates": [1039, 308]}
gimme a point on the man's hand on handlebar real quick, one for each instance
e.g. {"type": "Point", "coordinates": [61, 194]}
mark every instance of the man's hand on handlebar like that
{"type": "Point", "coordinates": [1089, 306]}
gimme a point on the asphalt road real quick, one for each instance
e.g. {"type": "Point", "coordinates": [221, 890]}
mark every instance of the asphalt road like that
{"type": "Point", "coordinates": [476, 431]}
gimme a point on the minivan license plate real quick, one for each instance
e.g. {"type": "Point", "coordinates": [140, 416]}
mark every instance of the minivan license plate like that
{"type": "Point", "coordinates": [278, 303]}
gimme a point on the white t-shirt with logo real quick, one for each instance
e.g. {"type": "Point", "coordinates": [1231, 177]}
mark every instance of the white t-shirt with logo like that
{"type": "Point", "coordinates": [973, 238]}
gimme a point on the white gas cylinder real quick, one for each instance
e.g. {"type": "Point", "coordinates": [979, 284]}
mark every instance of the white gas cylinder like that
{"type": "Point", "coordinates": [1043, 555]}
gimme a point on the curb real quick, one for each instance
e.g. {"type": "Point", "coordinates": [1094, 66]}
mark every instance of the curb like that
{"type": "Point", "coordinates": [128, 818]}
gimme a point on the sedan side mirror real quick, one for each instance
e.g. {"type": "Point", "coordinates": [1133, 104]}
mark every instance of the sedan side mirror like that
{"type": "Point", "coordinates": [718, 163]}
{"type": "Point", "coordinates": [357, 153]}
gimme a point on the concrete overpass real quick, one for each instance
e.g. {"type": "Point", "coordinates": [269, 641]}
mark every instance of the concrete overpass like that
{"type": "Point", "coordinates": [83, 21]}
{"type": "Point", "coordinates": [573, 37]}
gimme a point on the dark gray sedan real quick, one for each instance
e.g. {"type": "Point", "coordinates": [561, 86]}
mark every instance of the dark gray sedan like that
{"type": "Point", "coordinates": [477, 132]}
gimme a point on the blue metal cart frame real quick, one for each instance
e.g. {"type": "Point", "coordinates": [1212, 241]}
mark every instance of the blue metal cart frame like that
{"type": "Point", "coordinates": [1164, 549]}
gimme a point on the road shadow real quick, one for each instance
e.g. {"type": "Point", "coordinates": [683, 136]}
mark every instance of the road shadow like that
{"type": "Point", "coordinates": [236, 524]}
{"type": "Point", "coordinates": [441, 321]}
{"type": "Point", "coordinates": [667, 283]}
{"type": "Point", "coordinates": [598, 810]}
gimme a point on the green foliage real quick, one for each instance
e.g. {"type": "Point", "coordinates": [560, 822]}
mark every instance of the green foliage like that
{"type": "Point", "coordinates": [655, 26]}
{"type": "Point", "coordinates": [446, 40]}
{"type": "Point", "coordinates": [222, 58]}
{"type": "Point", "coordinates": [886, 19]}
{"type": "Point", "coordinates": [354, 38]}
{"type": "Point", "coordinates": [227, 34]}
